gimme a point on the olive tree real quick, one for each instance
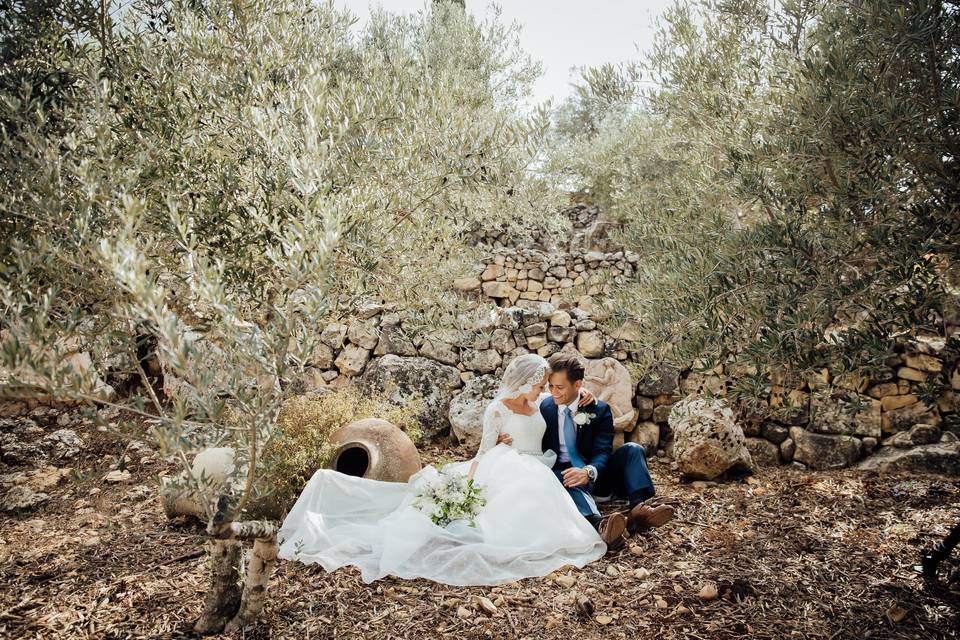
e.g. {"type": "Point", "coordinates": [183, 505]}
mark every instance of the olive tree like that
{"type": "Point", "coordinates": [216, 178]}
{"type": "Point", "coordinates": [789, 177]}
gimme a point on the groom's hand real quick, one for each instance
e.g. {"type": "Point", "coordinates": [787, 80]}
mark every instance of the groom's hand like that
{"type": "Point", "coordinates": [575, 477]}
{"type": "Point", "coordinates": [505, 438]}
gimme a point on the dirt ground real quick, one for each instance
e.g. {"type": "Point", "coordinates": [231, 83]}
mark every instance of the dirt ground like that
{"type": "Point", "coordinates": [791, 554]}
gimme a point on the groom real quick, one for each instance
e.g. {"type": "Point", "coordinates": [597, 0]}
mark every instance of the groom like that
{"type": "Point", "coordinates": [582, 437]}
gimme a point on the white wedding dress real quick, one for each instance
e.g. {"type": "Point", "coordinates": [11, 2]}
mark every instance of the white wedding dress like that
{"type": "Point", "coordinates": [528, 527]}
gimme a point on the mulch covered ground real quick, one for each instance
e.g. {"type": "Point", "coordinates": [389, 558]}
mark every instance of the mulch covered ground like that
{"type": "Point", "coordinates": [790, 553]}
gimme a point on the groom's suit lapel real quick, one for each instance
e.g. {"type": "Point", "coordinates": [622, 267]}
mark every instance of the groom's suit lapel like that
{"type": "Point", "coordinates": [584, 432]}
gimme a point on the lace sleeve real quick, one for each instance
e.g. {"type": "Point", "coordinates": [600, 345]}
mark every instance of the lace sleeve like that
{"type": "Point", "coordinates": [492, 425]}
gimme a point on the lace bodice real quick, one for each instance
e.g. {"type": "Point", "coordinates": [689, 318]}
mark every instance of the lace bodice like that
{"type": "Point", "coordinates": [526, 431]}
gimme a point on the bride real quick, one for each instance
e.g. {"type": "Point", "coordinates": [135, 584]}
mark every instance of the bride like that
{"type": "Point", "coordinates": [529, 526]}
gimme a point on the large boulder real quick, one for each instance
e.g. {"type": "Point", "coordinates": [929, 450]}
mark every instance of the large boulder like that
{"type": "Point", "coordinates": [23, 442]}
{"type": "Point", "coordinates": [821, 451]}
{"type": "Point", "coordinates": [840, 413]}
{"type": "Point", "coordinates": [481, 360]}
{"type": "Point", "coordinates": [707, 440]}
{"type": "Point", "coordinates": [931, 458]}
{"type": "Point", "coordinates": [352, 360]}
{"type": "Point", "coordinates": [659, 380]}
{"type": "Point", "coordinates": [763, 452]}
{"type": "Point", "coordinates": [590, 344]}
{"type": "Point", "coordinates": [467, 407]}
{"type": "Point", "coordinates": [440, 351]}
{"type": "Point", "coordinates": [21, 498]}
{"type": "Point", "coordinates": [392, 340]}
{"type": "Point", "coordinates": [609, 381]}
{"type": "Point", "coordinates": [647, 435]}
{"type": "Point", "coordinates": [403, 380]}
{"type": "Point", "coordinates": [904, 418]}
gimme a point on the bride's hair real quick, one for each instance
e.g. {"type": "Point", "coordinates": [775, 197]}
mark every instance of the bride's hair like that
{"type": "Point", "coordinates": [522, 374]}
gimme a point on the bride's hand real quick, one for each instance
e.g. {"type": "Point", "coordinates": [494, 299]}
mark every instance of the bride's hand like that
{"type": "Point", "coordinates": [586, 398]}
{"type": "Point", "coordinates": [505, 438]}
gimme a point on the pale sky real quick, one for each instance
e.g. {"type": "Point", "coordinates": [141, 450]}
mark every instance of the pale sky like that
{"type": "Point", "coordinates": [561, 34]}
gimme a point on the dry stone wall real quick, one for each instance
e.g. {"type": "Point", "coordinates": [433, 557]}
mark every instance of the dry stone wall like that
{"type": "Point", "coordinates": [575, 268]}
{"type": "Point", "coordinates": [827, 420]}
{"type": "Point", "coordinates": [378, 351]}
{"type": "Point", "coordinates": [831, 420]}
{"type": "Point", "coordinates": [578, 279]}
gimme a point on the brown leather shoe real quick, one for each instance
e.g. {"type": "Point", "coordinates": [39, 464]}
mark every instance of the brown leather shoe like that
{"type": "Point", "coordinates": [643, 516]}
{"type": "Point", "coordinates": [612, 529]}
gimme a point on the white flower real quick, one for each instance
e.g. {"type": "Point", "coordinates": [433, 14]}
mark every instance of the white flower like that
{"type": "Point", "coordinates": [583, 418]}
{"type": "Point", "coordinates": [449, 497]}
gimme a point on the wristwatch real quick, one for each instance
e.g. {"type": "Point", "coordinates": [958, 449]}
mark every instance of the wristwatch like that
{"type": "Point", "coordinates": [591, 472]}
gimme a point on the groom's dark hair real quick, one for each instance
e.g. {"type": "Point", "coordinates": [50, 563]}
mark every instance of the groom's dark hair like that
{"type": "Point", "coordinates": [569, 363]}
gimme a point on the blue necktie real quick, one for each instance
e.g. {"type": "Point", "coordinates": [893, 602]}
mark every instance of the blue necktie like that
{"type": "Point", "coordinates": [570, 438]}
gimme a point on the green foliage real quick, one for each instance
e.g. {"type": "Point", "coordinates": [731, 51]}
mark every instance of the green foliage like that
{"type": "Point", "coordinates": [791, 181]}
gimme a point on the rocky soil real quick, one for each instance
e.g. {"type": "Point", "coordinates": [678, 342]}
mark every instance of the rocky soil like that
{"type": "Point", "coordinates": [86, 552]}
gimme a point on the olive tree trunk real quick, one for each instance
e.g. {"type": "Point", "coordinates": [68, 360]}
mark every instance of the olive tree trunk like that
{"type": "Point", "coordinates": [226, 608]}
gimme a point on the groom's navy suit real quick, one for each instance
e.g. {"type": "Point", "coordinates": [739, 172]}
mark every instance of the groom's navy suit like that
{"type": "Point", "coordinates": [623, 472]}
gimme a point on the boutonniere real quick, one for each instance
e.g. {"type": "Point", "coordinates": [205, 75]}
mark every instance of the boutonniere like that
{"type": "Point", "coordinates": [583, 418]}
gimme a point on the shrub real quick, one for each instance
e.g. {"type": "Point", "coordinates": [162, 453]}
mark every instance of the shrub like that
{"type": "Point", "coordinates": [301, 442]}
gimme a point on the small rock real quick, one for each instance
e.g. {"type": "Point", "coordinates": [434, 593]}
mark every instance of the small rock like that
{"type": "Point", "coordinates": [565, 581]}
{"type": "Point", "coordinates": [896, 614]}
{"type": "Point", "coordinates": [117, 477]}
{"type": "Point", "coordinates": [467, 284]}
{"type": "Point", "coordinates": [22, 498]}
{"type": "Point", "coordinates": [641, 573]}
{"type": "Point", "coordinates": [636, 550]}
{"type": "Point", "coordinates": [708, 592]}
{"type": "Point", "coordinates": [583, 605]}
{"type": "Point", "coordinates": [925, 434]}
{"type": "Point", "coordinates": [352, 360]}
{"type": "Point", "coordinates": [63, 443]}
{"type": "Point", "coordinates": [560, 319]}
{"type": "Point", "coordinates": [486, 605]}
{"type": "Point", "coordinates": [660, 602]}
{"type": "Point", "coordinates": [604, 620]}
{"type": "Point", "coordinates": [463, 613]}
{"type": "Point", "coordinates": [923, 362]}
{"type": "Point", "coordinates": [612, 571]}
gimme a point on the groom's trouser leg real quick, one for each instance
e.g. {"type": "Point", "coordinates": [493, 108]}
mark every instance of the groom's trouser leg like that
{"type": "Point", "coordinates": [583, 498]}
{"type": "Point", "coordinates": [626, 474]}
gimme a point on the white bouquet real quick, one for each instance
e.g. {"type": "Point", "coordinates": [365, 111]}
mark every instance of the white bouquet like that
{"type": "Point", "coordinates": [451, 496]}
